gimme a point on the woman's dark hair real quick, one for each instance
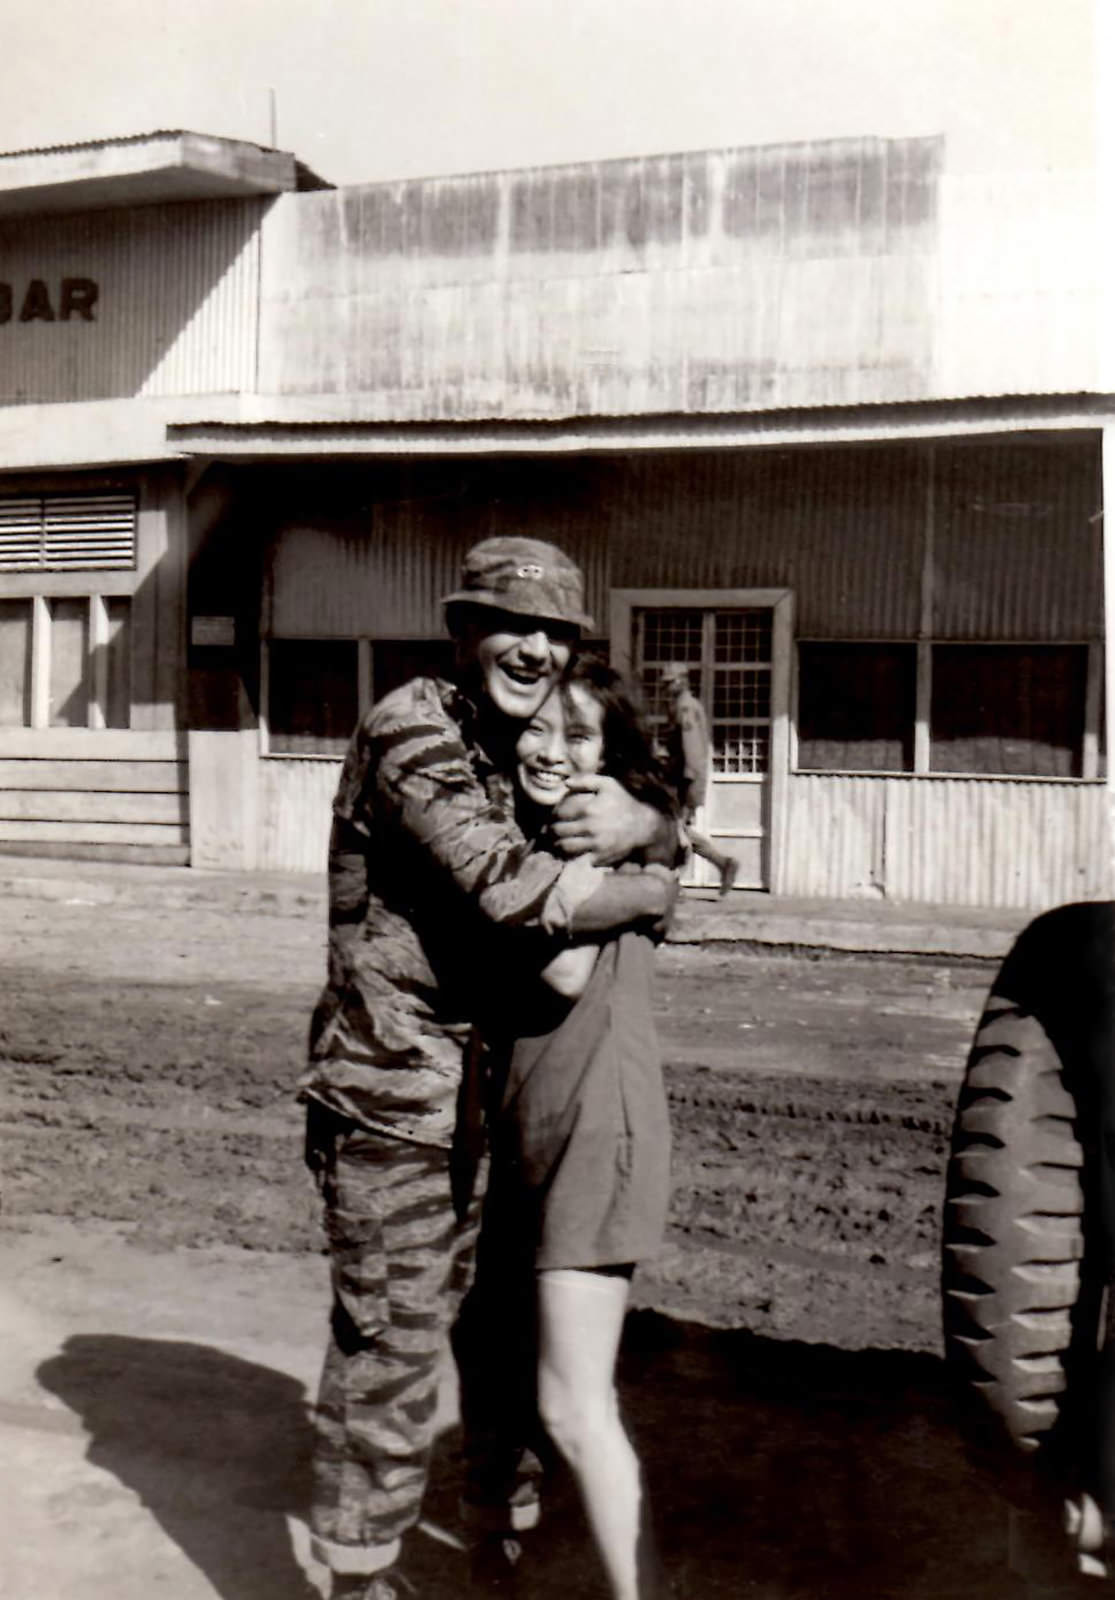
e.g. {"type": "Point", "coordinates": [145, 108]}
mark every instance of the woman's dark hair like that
{"type": "Point", "coordinates": [628, 748]}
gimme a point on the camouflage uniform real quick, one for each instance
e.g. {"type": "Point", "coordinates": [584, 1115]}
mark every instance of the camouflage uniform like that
{"type": "Point", "coordinates": [427, 869]}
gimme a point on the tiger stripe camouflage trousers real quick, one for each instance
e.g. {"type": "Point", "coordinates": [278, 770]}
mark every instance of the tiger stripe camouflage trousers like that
{"type": "Point", "coordinates": [400, 1262]}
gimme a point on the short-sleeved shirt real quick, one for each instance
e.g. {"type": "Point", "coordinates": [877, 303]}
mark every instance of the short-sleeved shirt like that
{"type": "Point", "coordinates": [687, 750]}
{"type": "Point", "coordinates": [428, 872]}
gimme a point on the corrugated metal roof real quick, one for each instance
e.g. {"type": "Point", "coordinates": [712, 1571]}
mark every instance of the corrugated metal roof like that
{"type": "Point", "coordinates": [126, 138]}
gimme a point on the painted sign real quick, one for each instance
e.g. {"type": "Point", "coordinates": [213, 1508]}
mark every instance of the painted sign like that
{"type": "Point", "coordinates": [74, 297]}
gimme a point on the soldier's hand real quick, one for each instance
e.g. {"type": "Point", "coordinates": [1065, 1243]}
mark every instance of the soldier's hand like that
{"type": "Point", "coordinates": [599, 818]}
{"type": "Point", "coordinates": [319, 1140]}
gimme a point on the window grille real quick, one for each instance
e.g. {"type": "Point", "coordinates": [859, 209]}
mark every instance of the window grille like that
{"type": "Point", "coordinates": [729, 654]}
{"type": "Point", "coordinates": [67, 532]}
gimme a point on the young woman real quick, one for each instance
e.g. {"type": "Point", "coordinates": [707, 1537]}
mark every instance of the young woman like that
{"type": "Point", "coordinates": [579, 1127]}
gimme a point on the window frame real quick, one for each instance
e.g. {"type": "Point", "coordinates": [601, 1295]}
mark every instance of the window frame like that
{"type": "Point", "coordinates": [1091, 739]}
{"type": "Point", "coordinates": [98, 636]}
{"type": "Point", "coordinates": [854, 772]}
{"type": "Point", "coordinates": [363, 691]}
{"type": "Point", "coordinates": [366, 692]}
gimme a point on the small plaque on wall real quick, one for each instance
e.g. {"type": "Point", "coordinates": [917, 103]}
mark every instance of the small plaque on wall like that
{"type": "Point", "coordinates": [214, 633]}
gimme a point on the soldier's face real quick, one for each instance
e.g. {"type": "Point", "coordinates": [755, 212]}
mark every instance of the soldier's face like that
{"type": "Point", "coordinates": [518, 660]}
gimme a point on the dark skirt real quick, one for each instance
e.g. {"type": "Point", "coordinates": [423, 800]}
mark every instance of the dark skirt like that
{"type": "Point", "coordinates": [581, 1135]}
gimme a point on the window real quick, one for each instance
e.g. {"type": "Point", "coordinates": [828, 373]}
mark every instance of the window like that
{"type": "Point", "coordinates": [314, 694]}
{"type": "Point", "coordinates": [1010, 709]}
{"type": "Point", "coordinates": [15, 663]}
{"type": "Point", "coordinates": [856, 707]}
{"type": "Point", "coordinates": [67, 532]}
{"type": "Point", "coordinates": [396, 661]}
{"type": "Point", "coordinates": [65, 662]}
{"type": "Point", "coordinates": [728, 653]}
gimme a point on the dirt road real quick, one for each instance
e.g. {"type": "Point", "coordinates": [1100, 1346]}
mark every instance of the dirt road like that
{"type": "Point", "coordinates": [165, 1289]}
{"type": "Point", "coordinates": [148, 1065]}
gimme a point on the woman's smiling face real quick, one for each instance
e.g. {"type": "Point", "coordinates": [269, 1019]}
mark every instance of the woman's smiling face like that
{"type": "Point", "coordinates": [565, 736]}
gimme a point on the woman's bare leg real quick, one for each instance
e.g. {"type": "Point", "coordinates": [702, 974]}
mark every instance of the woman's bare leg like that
{"type": "Point", "coordinates": [580, 1323]}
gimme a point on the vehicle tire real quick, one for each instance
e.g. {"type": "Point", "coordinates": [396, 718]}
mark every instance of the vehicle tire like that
{"type": "Point", "coordinates": [1014, 1309]}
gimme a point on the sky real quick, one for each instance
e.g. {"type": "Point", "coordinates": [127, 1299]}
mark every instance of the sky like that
{"type": "Point", "coordinates": [366, 90]}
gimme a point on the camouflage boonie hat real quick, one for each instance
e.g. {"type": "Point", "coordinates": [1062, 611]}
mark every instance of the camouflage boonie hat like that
{"type": "Point", "coordinates": [527, 577]}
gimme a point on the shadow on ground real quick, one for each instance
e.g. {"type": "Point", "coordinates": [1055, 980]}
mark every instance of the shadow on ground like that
{"type": "Point", "coordinates": [777, 1470]}
{"type": "Point", "coordinates": [215, 1447]}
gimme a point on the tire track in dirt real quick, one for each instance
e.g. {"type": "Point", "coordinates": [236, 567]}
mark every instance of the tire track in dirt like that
{"type": "Point", "coordinates": [810, 1114]}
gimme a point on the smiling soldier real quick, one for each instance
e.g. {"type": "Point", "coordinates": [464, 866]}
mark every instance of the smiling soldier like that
{"type": "Point", "coordinates": [425, 861]}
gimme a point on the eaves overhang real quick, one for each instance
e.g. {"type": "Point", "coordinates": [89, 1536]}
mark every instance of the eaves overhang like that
{"type": "Point", "coordinates": [291, 432]}
{"type": "Point", "coordinates": [145, 169]}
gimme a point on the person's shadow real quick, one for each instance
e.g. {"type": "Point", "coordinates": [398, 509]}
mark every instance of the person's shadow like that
{"type": "Point", "coordinates": [215, 1447]}
{"type": "Point", "coordinates": [775, 1470]}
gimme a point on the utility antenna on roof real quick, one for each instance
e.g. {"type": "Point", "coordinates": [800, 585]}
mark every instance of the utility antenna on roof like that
{"type": "Point", "coordinates": [273, 108]}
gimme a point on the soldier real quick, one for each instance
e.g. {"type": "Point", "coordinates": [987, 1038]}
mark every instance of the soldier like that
{"type": "Point", "coordinates": [687, 764]}
{"type": "Point", "coordinates": [425, 862]}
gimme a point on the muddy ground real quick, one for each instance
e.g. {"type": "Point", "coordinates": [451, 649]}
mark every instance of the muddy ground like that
{"type": "Point", "coordinates": [781, 1375]}
{"type": "Point", "coordinates": [148, 1062]}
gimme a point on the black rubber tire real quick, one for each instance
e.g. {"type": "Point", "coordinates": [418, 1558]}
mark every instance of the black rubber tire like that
{"type": "Point", "coordinates": [1014, 1226]}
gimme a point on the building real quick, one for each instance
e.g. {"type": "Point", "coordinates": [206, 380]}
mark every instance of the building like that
{"type": "Point", "coordinates": [826, 420]}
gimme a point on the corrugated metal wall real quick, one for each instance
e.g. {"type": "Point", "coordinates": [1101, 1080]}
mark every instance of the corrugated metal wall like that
{"type": "Point", "coordinates": [295, 813]}
{"type": "Point", "coordinates": [956, 841]}
{"type": "Point", "coordinates": [844, 530]}
{"type": "Point", "coordinates": [377, 559]}
{"type": "Point", "coordinates": [1016, 557]}
{"type": "Point", "coordinates": [1017, 542]}
{"type": "Point", "coordinates": [175, 311]}
{"type": "Point", "coordinates": [780, 275]}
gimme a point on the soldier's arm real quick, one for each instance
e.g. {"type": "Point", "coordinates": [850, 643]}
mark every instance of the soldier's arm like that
{"type": "Point", "coordinates": [424, 775]}
{"type": "Point", "coordinates": [348, 882]}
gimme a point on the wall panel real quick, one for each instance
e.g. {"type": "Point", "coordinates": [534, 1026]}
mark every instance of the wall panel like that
{"type": "Point", "coordinates": [716, 280]}
{"type": "Point", "coordinates": [955, 841]}
{"type": "Point", "coordinates": [843, 530]}
{"type": "Point", "coordinates": [175, 311]}
{"type": "Point", "coordinates": [1017, 549]}
{"type": "Point", "coordinates": [376, 556]}
{"type": "Point", "coordinates": [295, 813]}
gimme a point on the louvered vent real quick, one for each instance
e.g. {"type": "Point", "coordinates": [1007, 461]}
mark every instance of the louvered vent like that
{"type": "Point", "coordinates": [21, 534]}
{"type": "Point", "coordinates": [67, 532]}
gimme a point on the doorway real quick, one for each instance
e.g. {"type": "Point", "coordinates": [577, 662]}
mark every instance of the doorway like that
{"type": "Point", "coordinates": [736, 645]}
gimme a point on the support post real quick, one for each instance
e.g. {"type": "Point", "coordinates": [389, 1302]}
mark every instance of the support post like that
{"type": "Point", "coordinates": [1103, 13]}
{"type": "Point", "coordinates": [924, 689]}
{"type": "Point", "coordinates": [1108, 527]}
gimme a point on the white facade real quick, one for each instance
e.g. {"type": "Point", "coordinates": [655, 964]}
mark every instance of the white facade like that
{"type": "Point", "coordinates": [836, 407]}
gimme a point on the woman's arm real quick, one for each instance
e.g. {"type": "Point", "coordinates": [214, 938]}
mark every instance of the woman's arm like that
{"type": "Point", "coordinates": [636, 895]}
{"type": "Point", "coordinates": [568, 973]}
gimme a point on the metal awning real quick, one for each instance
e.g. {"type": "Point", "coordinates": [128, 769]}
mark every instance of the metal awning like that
{"type": "Point", "coordinates": [142, 170]}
